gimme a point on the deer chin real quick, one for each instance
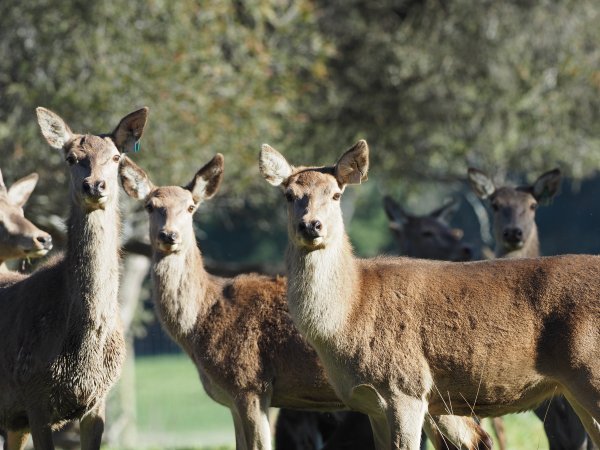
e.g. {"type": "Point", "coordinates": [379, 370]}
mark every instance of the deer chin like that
{"type": "Point", "coordinates": [94, 203]}
{"type": "Point", "coordinates": [511, 246]}
{"type": "Point", "coordinates": [168, 249]}
{"type": "Point", "coordinates": [308, 243]}
{"type": "Point", "coordinates": [36, 253]}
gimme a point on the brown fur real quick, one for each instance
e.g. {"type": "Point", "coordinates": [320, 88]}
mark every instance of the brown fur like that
{"type": "Point", "coordinates": [63, 344]}
{"type": "Point", "coordinates": [237, 331]}
{"type": "Point", "coordinates": [19, 238]}
{"type": "Point", "coordinates": [397, 335]}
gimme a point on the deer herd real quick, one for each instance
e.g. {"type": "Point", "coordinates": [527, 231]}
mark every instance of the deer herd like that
{"type": "Point", "coordinates": [387, 346]}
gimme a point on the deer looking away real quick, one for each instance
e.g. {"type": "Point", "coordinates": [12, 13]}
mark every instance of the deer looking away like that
{"type": "Point", "coordinates": [401, 337]}
{"type": "Point", "coordinates": [237, 331]}
{"type": "Point", "coordinates": [429, 237]}
{"type": "Point", "coordinates": [516, 235]}
{"type": "Point", "coordinates": [19, 238]}
{"type": "Point", "coordinates": [62, 339]}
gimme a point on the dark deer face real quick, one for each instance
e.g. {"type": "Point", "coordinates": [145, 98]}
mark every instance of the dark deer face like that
{"type": "Point", "coordinates": [429, 236]}
{"type": "Point", "coordinates": [93, 159]}
{"type": "Point", "coordinates": [313, 194]}
{"type": "Point", "coordinates": [514, 207]}
{"type": "Point", "coordinates": [19, 238]}
{"type": "Point", "coordinates": [171, 208]}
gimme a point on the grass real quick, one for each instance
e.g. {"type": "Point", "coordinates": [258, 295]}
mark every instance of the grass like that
{"type": "Point", "coordinates": [174, 412]}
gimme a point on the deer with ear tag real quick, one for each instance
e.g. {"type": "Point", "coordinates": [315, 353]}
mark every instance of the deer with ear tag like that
{"type": "Point", "coordinates": [400, 337]}
{"type": "Point", "coordinates": [237, 331]}
{"type": "Point", "coordinates": [62, 344]}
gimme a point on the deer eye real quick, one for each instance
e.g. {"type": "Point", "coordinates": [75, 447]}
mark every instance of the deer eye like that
{"type": "Point", "coordinates": [337, 196]}
{"type": "Point", "coordinates": [116, 158]}
{"type": "Point", "coordinates": [71, 159]}
{"type": "Point", "coordinates": [149, 207]}
{"type": "Point", "coordinates": [289, 197]}
{"type": "Point", "coordinates": [533, 206]}
{"type": "Point", "coordinates": [191, 208]}
{"type": "Point", "coordinates": [495, 206]}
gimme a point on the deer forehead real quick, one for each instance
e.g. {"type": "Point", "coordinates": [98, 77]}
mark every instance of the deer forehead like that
{"type": "Point", "coordinates": [170, 197]}
{"type": "Point", "coordinates": [89, 145]}
{"type": "Point", "coordinates": [313, 181]}
{"type": "Point", "coordinates": [510, 196]}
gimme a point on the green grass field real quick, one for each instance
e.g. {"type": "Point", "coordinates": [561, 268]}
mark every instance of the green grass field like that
{"type": "Point", "coordinates": [174, 412]}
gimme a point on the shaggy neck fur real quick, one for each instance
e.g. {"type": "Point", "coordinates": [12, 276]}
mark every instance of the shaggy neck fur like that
{"type": "Point", "coordinates": [180, 281]}
{"type": "Point", "coordinates": [321, 285]}
{"type": "Point", "coordinates": [531, 249]}
{"type": "Point", "coordinates": [93, 270]}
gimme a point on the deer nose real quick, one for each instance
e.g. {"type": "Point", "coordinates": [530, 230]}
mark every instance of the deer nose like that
{"type": "Point", "coordinates": [466, 253]}
{"type": "Point", "coordinates": [168, 237]}
{"type": "Point", "coordinates": [45, 240]}
{"type": "Point", "coordinates": [310, 229]}
{"type": "Point", "coordinates": [513, 235]}
{"type": "Point", "coordinates": [96, 189]}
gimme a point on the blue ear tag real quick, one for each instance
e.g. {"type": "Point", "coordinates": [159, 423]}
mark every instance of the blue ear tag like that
{"type": "Point", "coordinates": [136, 146]}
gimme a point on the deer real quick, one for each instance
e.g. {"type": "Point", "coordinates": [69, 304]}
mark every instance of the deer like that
{"type": "Point", "coordinates": [238, 331]}
{"type": "Point", "coordinates": [427, 236]}
{"type": "Point", "coordinates": [63, 344]}
{"type": "Point", "coordinates": [516, 236]}
{"type": "Point", "coordinates": [400, 338]}
{"type": "Point", "coordinates": [19, 238]}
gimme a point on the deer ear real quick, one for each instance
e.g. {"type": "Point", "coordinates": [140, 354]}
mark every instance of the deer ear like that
{"type": "Point", "coordinates": [273, 166]}
{"type": "Point", "coordinates": [19, 192]}
{"type": "Point", "coordinates": [482, 185]}
{"type": "Point", "coordinates": [398, 217]}
{"type": "Point", "coordinates": [546, 186]}
{"type": "Point", "coordinates": [353, 166]}
{"type": "Point", "coordinates": [207, 180]}
{"type": "Point", "coordinates": [446, 212]}
{"type": "Point", "coordinates": [54, 129]}
{"type": "Point", "coordinates": [130, 129]}
{"type": "Point", "coordinates": [2, 185]}
{"type": "Point", "coordinates": [134, 180]}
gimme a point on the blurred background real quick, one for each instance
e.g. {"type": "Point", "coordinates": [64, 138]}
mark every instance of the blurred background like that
{"type": "Point", "coordinates": [434, 86]}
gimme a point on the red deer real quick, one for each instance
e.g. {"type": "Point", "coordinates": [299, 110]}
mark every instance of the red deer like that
{"type": "Point", "coordinates": [63, 344]}
{"type": "Point", "coordinates": [237, 331]}
{"type": "Point", "coordinates": [19, 238]}
{"type": "Point", "coordinates": [516, 235]}
{"type": "Point", "coordinates": [401, 337]}
{"type": "Point", "coordinates": [428, 236]}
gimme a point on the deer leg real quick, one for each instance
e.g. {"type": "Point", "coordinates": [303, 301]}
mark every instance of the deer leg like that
{"type": "Point", "coordinates": [92, 428]}
{"type": "Point", "coordinates": [498, 426]}
{"type": "Point", "coordinates": [16, 440]}
{"type": "Point", "coordinates": [253, 414]}
{"type": "Point", "coordinates": [406, 414]}
{"type": "Point", "coordinates": [588, 410]}
{"type": "Point", "coordinates": [381, 432]}
{"type": "Point", "coordinates": [449, 432]}
{"type": "Point", "coordinates": [41, 430]}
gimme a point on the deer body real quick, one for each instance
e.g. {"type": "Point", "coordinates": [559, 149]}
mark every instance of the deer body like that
{"type": "Point", "coordinates": [238, 331]}
{"type": "Point", "coordinates": [63, 340]}
{"type": "Point", "coordinates": [398, 336]}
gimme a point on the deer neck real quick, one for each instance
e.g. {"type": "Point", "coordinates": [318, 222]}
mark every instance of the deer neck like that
{"type": "Point", "coordinates": [321, 285]}
{"type": "Point", "coordinates": [93, 268]}
{"type": "Point", "coordinates": [531, 248]}
{"type": "Point", "coordinates": [180, 283]}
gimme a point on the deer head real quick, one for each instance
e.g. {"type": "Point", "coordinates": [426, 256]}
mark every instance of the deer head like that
{"type": "Point", "coordinates": [19, 238]}
{"type": "Point", "coordinates": [429, 236]}
{"type": "Point", "coordinates": [313, 194]}
{"type": "Point", "coordinates": [514, 207]}
{"type": "Point", "coordinates": [171, 208]}
{"type": "Point", "coordinates": [93, 159]}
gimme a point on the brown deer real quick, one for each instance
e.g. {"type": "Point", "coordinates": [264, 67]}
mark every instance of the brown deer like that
{"type": "Point", "coordinates": [399, 337]}
{"type": "Point", "coordinates": [237, 331]}
{"type": "Point", "coordinates": [19, 238]}
{"type": "Point", "coordinates": [63, 344]}
{"type": "Point", "coordinates": [516, 236]}
{"type": "Point", "coordinates": [428, 236]}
